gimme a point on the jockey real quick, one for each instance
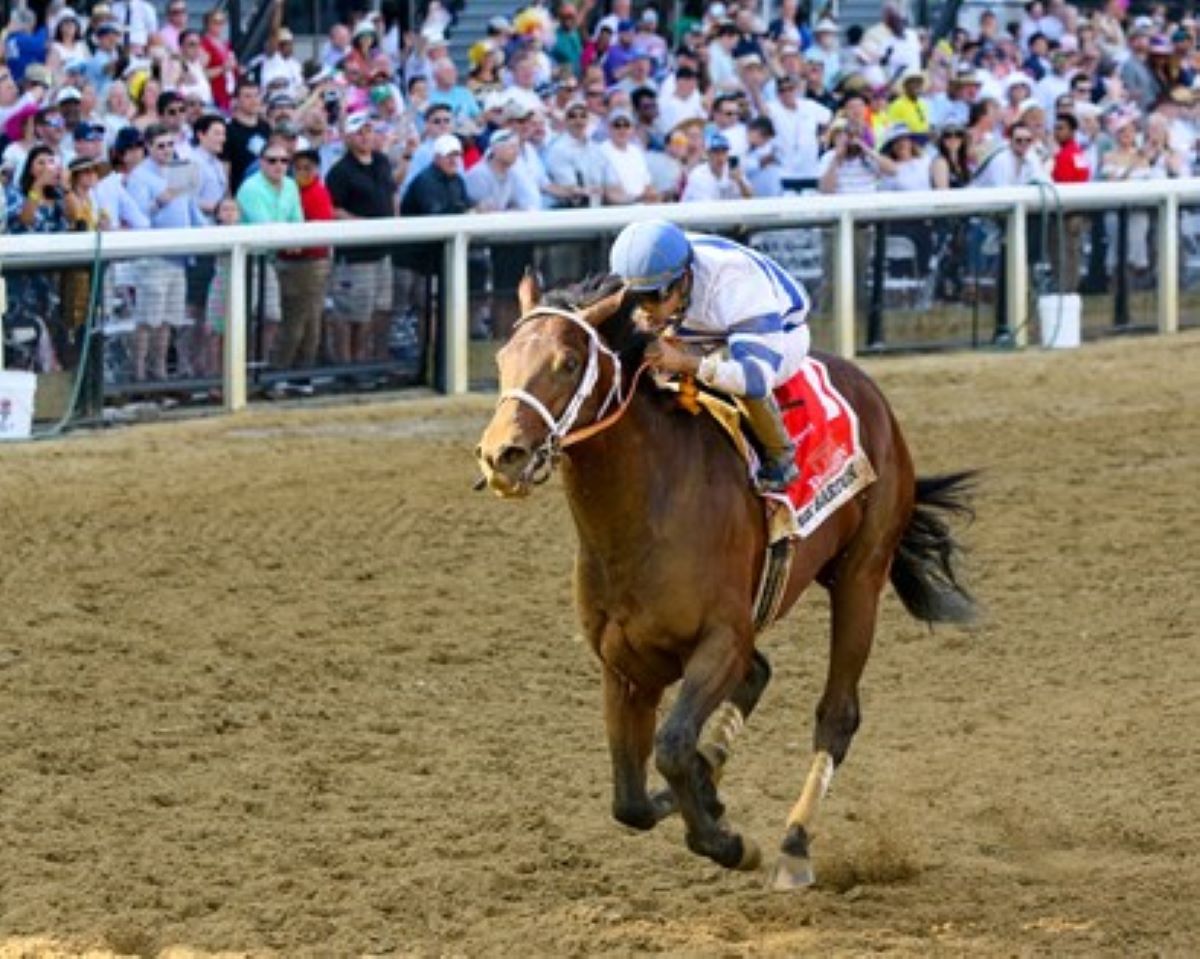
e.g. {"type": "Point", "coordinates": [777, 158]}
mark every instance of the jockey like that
{"type": "Point", "coordinates": [718, 293]}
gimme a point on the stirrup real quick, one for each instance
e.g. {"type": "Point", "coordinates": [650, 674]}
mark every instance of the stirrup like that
{"type": "Point", "coordinates": [777, 477]}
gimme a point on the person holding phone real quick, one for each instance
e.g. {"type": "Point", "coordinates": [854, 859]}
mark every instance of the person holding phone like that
{"type": "Point", "coordinates": [718, 177]}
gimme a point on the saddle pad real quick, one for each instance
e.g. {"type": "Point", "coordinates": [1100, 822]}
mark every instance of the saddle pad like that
{"type": "Point", "coordinates": [824, 427]}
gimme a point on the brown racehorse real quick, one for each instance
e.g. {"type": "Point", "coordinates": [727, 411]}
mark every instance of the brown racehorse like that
{"type": "Point", "coordinates": [671, 545]}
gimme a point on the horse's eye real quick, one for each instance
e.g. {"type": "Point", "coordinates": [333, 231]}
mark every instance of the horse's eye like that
{"type": "Point", "coordinates": [570, 364]}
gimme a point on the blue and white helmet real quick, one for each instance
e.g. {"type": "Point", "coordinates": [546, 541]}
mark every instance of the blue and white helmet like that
{"type": "Point", "coordinates": [650, 255]}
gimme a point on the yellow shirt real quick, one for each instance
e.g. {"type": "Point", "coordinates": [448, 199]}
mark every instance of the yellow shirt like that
{"type": "Point", "coordinates": [912, 113]}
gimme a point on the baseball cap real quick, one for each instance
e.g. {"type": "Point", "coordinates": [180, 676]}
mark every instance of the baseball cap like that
{"type": "Point", "coordinates": [447, 145]}
{"type": "Point", "coordinates": [500, 137]}
{"type": "Point", "coordinates": [717, 141]}
{"type": "Point", "coordinates": [624, 26]}
{"type": "Point", "coordinates": [127, 138]}
{"type": "Point", "coordinates": [67, 94]}
{"type": "Point", "coordinates": [285, 35]}
{"type": "Point", "coordinates": [91, 132]}
{"type": "Point", "coordinates": [276, 100]}
{"type": "Point", "coordinates": [108, 26]}
{"type": "Point", "coordinates": [500, 25]}
{"type": "Point", "coordinates": [650, 16]}
{"type": "Point", "coordinates": [356, 121]}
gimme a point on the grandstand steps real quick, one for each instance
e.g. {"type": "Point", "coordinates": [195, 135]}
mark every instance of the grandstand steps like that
{"type": "Point", "coordinates": [472, 26]}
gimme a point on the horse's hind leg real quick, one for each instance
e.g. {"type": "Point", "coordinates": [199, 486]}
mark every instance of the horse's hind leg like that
{"type": "Point", "coordinates": [855, 601]}
{"type": "Point", "coordinates": [629, 715]}
{"type": "Point", "coordinates": [713, 672]}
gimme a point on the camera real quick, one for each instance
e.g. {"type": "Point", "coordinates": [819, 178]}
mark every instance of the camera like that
{"type": "Point", "coordinates": [733, 163]}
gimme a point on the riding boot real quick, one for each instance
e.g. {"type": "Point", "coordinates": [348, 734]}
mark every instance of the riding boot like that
{"type": "Point", "coordinates": [778, 469]}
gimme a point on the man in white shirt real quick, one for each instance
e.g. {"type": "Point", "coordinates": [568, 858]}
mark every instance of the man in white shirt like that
{"type": "Point", "coordinates": [679, 99]}
{"type": "Point", "coordinates": [727, 118]}
{"type": "Point", "coordinates": [1012, 164]}
{"type": "Point", "coordinates": [138, 20]}
{"type": "Point", "coordinates": [627, 178]}
{"type": "Point", "coordinates": [282, 62]}
{"type": "Point", "coordinates": [714, 179]}
{"type": "Point", "coordinates": [798, 122]}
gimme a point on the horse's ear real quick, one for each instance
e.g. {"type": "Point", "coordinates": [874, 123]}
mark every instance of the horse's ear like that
{"type": "Point", "coordinates": [602, 309]}
{"type": "Point", "coordinates": [529, 290]}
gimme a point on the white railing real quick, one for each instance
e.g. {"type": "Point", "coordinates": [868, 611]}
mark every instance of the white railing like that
{"type": "Point", "coordinates": [457, 233]}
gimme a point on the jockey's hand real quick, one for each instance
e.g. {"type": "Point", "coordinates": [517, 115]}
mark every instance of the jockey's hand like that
{"type": "Point", "coordinates": [664, 355]}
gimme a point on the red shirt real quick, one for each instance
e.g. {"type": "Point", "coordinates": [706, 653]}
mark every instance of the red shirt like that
{"type": "Point", "coordinates": [317, 204]}
{"type": "Point", "coordinates": [218, 55]}
{"type": "Point", "coordinates": [1070, 164]}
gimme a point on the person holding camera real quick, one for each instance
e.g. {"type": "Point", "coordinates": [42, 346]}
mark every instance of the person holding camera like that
{"type": "Point", "coordinates": [850, 165]}
{"type": "Point", "coordinates": [718, 178]}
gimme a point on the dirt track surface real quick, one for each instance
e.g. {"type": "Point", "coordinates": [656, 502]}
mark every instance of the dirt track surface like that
{"type": "Point", "coordinates": [281, 685]}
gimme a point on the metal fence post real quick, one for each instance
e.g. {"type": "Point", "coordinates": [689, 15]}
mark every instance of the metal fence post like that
{"type": "Point", "coordinates": [843, 287]}
{"type": "Point", "coordinates": [234, 374]}
{"type": "Point", "coordinates": [1017, 269]}
{"type": "Point", "coordinates": [455, 316]}
{"type": "Point", "coordinates": [1168, 264]}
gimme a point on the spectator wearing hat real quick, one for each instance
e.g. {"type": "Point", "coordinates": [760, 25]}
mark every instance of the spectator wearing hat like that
{"type": "Point", "coordinates": [798, 122]}
{"type": "Point", "coordinates": [1017, 88]}
{"type": "Point", "coordinates": [850, 165]}
{"type": "Point", "coordinates": [50, 128]}
{"type": "Point", "coordinates": [437, 121]}
{"type": "Point", "coordinates": [715, 179]}
{"type": "Point", "coordinates": [281, 61]}
{"type": "Point", "coordinates": [1136, 73]}
{"type": "Point", "coordinates": [439, 190]}
{"type": "Point", "coordinates": [627, 175]}
{"type": "Point", "coordinates": [909, 108]}
{"type": "Point", "coordinates": [86, 142]}
{"type": "Point", "coordinates": [304, 273]}
{"type": "Point", "coordinates": [362, 186]}
{"type": "Point", "coordinates": [83, 215]}
{"type": "Point", "coordinates": [953, 106]}
{"type": "Point", "coordinates": [496, 183]}
{"type": "Point", "coordinates": [107, 56]}
{"type": "Point", "coordinates": [597, 47]}
{"type": "Point", "coordinates": [121, 212]}
{"type": "Point", "coordinates": [161, 281]}
{"type": "Point", "coordinates": [222, 61]}
{"type": "Point", "coordinates": [68, 44]}
{"type": "Point", "coordinates": [622, 52]}
{"type": "Point", "coordinates": [20, 131]}
{"type": "Point", "coordinates": [826, 52]}
{"type": "Point", "coordinates": [648, 41]}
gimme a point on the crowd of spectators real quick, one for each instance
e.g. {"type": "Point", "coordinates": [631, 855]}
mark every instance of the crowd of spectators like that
{"type": "Point", "coordinates": [121, 116]}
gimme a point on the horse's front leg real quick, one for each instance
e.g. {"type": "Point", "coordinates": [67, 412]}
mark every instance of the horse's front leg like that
{"type": "Point", "coordinates": [713, 672]}
{"type": "Point", "coordinates": [629, 714]}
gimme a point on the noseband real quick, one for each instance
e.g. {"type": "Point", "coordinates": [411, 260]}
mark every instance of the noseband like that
{"type": "Point", "coordinates": [559, 434]}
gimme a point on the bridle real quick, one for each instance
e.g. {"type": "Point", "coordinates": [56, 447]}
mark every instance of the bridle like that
{"type": "Point", "coordinates": [560, 435]}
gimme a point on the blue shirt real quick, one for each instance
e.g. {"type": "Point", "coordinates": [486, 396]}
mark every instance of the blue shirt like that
{"type": "Point", "coordinates": [22, 49]}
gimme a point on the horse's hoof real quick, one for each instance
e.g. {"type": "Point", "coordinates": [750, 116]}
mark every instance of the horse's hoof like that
{"type": "Point", "coordinates": [751, 856]}
{"type": "Point", "coordinates": [792, 872]}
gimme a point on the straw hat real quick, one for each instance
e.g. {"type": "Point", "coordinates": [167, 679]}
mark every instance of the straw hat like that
{"type": "Point", "coordinates": [910, 74]}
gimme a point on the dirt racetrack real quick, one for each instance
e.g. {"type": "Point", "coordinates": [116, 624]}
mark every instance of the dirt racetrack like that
{"type": "Point", "coordinates": [281, 684]}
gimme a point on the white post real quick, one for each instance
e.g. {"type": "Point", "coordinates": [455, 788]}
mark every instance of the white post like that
{"type": "Point", "coordinates": [1168, 264]}
{"type": "Point", "coordinates": [1018, 277]}
{"type": "Point", "coordinates": [456, 316]}
{"type": "Point", "coordinates": [843, 286]}
{"type": "Point", "coordinates": [235, 331]}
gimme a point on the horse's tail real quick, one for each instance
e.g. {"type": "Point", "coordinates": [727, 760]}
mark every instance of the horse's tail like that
{"type": "Point", "coordinates": [924, 568]}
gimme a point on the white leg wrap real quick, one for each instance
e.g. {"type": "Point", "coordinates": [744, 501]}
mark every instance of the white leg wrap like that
{"type": "Point", "coordinates": [820, 775]}
{"type": "Point", "coordinates": [716, 739]}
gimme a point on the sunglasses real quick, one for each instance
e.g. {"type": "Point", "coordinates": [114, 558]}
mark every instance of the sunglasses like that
{"type": "Point", "coordinates": [438, 120]}
{"type": "Point", "coordinates": [595, 94]}
{"type": "Point", "coordinates": [577, 115]}
{"type": "Point", "coordinates": [1022, 141]}
{"type": "Point", "coordinates": [274, 160]}
{"type": "Point", "coordinates": [174, 111]}
{"type": "Point", "coordinates": [621, 125]}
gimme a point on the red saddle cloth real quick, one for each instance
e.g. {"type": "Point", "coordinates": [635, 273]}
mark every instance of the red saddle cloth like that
{"type": "Point", "coordinates": [824, 427]}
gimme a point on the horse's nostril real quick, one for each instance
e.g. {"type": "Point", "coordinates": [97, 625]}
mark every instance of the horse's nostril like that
{"type": "Point", "coordinates": [479, 452]}
{"type": "Point", "coordinates": [511, 455]}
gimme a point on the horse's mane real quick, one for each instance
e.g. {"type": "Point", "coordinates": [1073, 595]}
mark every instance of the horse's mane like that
{"type": "Point", "coordinates": [619, 330]}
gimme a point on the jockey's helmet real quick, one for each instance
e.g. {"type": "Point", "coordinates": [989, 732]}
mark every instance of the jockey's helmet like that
{"type": "Point", "coordinates": [650, 255]}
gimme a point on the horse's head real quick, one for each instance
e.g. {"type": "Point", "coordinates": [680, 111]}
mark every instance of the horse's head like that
{"type": "Point", "coordinates": [557, 372]}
